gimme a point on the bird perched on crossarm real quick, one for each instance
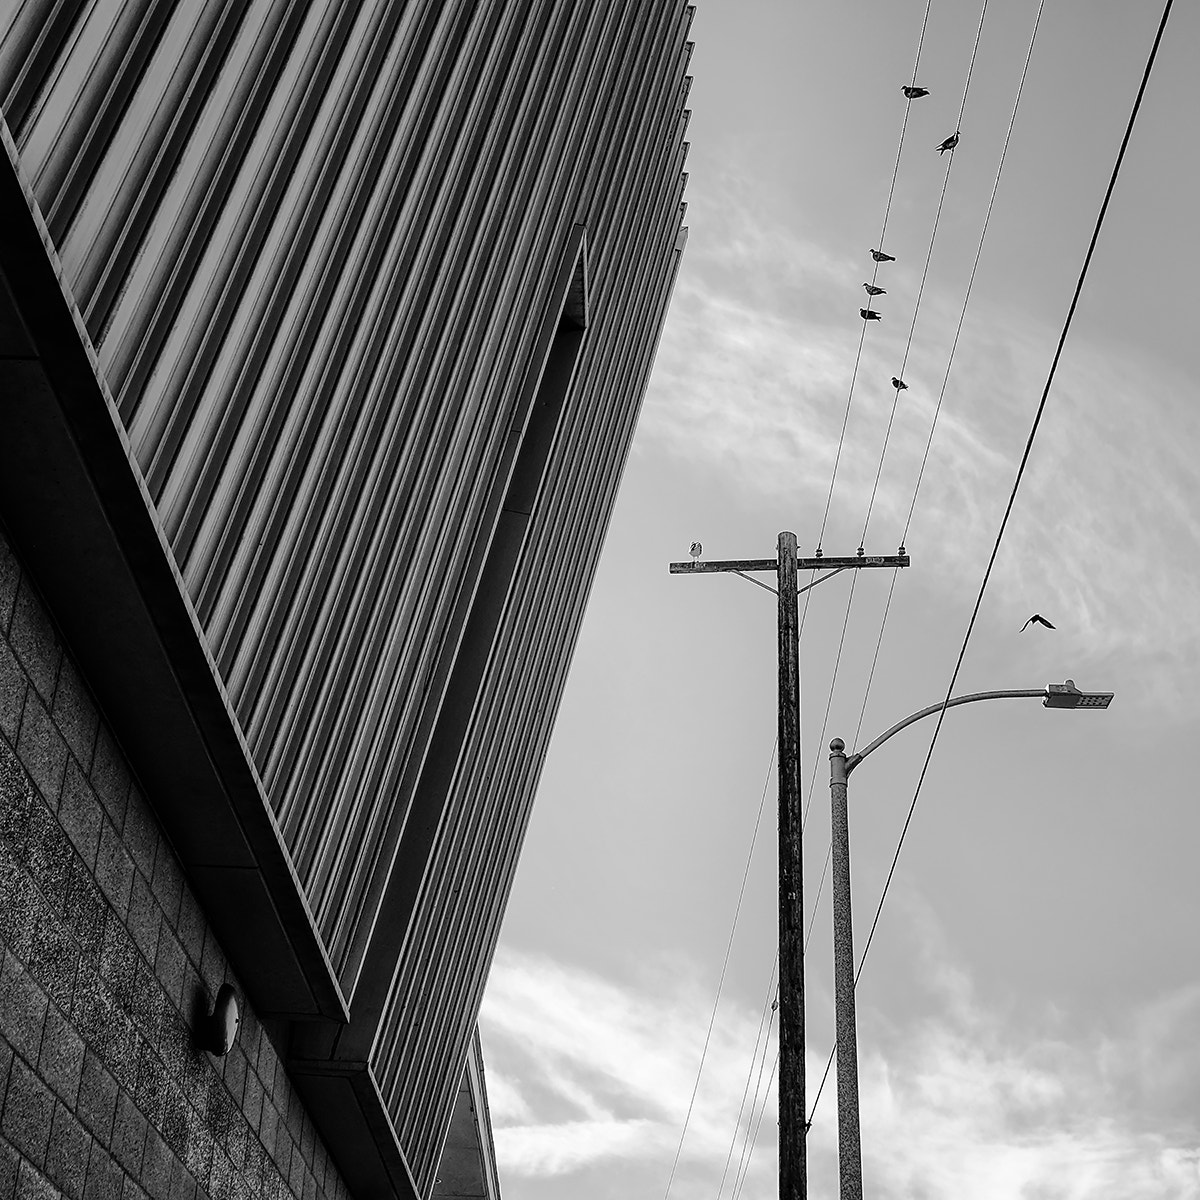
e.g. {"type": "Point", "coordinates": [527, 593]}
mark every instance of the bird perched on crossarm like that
{"type": "Point", "coordinates": [879, 256]}
{"type": "Point", "coordinates": [696, 550]}
{"type": "Point", "coordinates": [1037, 619]}
{"type": "Point", "coordinates": [915, 93]}
{"type": "Point", "coordinates": [869, 314]}
{"type": "Point", "coordinates": [872, 290]}
{"type": "Point", "coordinates": [899, 384]}
{"type": "Point", "coordinates": [949, 143]}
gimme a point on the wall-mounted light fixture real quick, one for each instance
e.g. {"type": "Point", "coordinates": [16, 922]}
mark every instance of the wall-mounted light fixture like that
{"type": "Point", "coordinates": [219, 1029]}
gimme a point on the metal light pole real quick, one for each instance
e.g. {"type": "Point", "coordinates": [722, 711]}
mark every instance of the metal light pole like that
{"type": "Point", "coordinates": [1053, 695]}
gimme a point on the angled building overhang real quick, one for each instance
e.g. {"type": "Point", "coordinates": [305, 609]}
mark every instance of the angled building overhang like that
{"type": "Point", "coordinates": [74, 503]}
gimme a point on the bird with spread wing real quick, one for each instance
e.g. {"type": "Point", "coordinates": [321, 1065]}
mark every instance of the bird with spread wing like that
{"type": "Point", "coordinates": [1037, 619]}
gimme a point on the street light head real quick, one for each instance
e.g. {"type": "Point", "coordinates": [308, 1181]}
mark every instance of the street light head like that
{"type": "Point", "coordinates": [1067, 695]}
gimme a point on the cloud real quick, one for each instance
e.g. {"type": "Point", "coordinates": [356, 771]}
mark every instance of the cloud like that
{"type": "Point", "coordinates": [604, 1071]}
{"type": "Point", "coordinates": [968, 1102]}
{"type": "Point", "coordinates": [752, 381]}
{"type": "Point", "coordinates": [979, 1103]}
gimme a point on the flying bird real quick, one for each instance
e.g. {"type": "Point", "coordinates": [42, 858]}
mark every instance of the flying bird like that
{"type": "Point", "coordinates": [949, 143]}
{"type": "Point", "coordinates": [879, 256]}
{"type": "Point", "coordinates": [915, 93]}
{"type": "Point", "coordinates": [1038, 619]}
{"type": "Point", "coordinates": [899, 384]}
{"type": "Point", "coordinates": [869, 314]}
{"type": "Point", "coordinates": [696, 550]}
{"type": "Point", "coordinates": [872, 290]}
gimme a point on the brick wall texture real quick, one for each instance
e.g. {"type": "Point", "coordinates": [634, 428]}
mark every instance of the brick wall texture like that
{"type": "Point", "coordinates": [106, 961]}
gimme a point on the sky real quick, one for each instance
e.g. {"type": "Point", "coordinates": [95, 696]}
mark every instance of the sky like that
{"type": "Point", "coordinates": [1029, 1012]}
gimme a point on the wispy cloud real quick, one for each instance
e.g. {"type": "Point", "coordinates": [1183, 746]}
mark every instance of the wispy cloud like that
{"type": "Point", "coordinates": [583, 1070]}
{"type": "Point", "coordinates": [752, 382]}
{"type": "Point", "coordinates": [975, 1102]}
{"type": "Point", "coordinates": [967, 1103]}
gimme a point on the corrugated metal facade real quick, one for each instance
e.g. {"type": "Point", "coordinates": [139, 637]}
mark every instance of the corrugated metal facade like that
{"type": "Point", "coordinates": [319, 249]}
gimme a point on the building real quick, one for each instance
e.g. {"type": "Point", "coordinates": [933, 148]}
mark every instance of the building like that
{"type": "Point", "coordinates": [323, 332]}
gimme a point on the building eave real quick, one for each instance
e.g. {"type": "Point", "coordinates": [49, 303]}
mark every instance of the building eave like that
{"type": "Point", "coordinates": [73, 500]}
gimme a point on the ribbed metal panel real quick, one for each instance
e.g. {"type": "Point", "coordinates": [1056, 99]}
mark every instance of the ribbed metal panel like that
{"type": "Point", "coordinates": [315, 247]}
{"type": "Point", "coordinates": [442, 973]}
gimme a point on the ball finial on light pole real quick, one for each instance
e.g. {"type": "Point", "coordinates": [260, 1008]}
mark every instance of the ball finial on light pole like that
{"type": "Point", "coordinates": [837, 746]}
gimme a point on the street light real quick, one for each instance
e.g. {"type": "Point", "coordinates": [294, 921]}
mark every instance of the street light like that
{"type": "Point", "coordinates": [1053, 695]}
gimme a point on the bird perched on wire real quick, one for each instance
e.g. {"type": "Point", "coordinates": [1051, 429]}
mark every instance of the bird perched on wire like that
{"type": "Point", "coordinates": [1037, 619]}
{"type": "Point", "coordinates": [872, 290]}
{"type": "Point", "coordinates": [879, 256]}
{"type": "Point", "coordinates": [696, 550]}
{"type": "Point", "coordinates": [915, 93]}
{"type": "Point", "coordinates": [869, 314]}
{"type": "Point", "coordinates": [899, 384]}
{"type": "Point", "coordinates": [949, 143]}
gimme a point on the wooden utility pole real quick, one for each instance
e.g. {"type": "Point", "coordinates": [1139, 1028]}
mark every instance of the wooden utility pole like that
{"type": "Point", "coordinates": [793, 1117]}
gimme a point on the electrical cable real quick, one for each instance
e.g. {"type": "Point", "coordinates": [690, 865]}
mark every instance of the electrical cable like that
{"type": "Point", "coordinates": [929, 254]}
{"type": "Point", "coordinates": [747, 1144]}
{"type": "Point", "coordinates": [724, 968]}
{"type": "Point", "coordinates": [1037, 419]}
{"type": "Point", "coordinates": [772, 994]}
{"type": "Point", "coordinates": [882, 236]}
{"type": "Point", "coordinates": [887, 435]}
{"type": "Point", "coordinates": [753, 1140]}
{"type": "Point", "coordinates": [829, 702]}
{"type": "Point", "coordinates": [887, 608]}
{"type": "Point", "coordinates": [908, 346]}
{"type": "Point", "coordinates": [974, 268]}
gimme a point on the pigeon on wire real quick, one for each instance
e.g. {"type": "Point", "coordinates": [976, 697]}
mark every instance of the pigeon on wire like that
{"type": "Point", "coordinates": [915, 93]}
{"type": "Point", "coordinates": [696, 550]}
{"type": "Point", "coordinates": [869, 314]}
{"type": "Point", "coordinates": [872, 290]}
{"type": "Point", "coordinates": [879, 256]}
{"type": "Point", "coordinates": [899, 384]}
{"type": "Point", "coordinates": [949, 143]}
{"type": "Point", "coordinates": [1037, 619]}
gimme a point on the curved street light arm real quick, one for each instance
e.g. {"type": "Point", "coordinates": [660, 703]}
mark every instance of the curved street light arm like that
{"type": "Point", "coordinates": [1025, 693]}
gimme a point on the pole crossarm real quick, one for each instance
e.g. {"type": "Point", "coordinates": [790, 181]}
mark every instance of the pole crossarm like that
{"type": "Point", "coordinates": [741, 565]}
{"type": "Point", "coordinates": [1022, 693]}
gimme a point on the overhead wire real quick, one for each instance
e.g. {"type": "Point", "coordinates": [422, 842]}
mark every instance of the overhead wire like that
{"type": "Point", "coordinates": [1041, 408]}
{"type": "Point", "coordinates": [891, 419]}
{"type": "Point", "coordinates": [841, 439]}
{"type": "Point", "coordinates": [883, 452]}
{"type": "Point", "coordinates": [874, 274]}
{"type": "Point", "coordinates": [770, 1003]}
{"type": "Point", "coordinates": [724, 970]}
{"type": "Point", "coordinates": [757, 1125]}
{"type": "Point", "coordinates": [974, 269]}
{"type": "Point", "coordinates": [1020, 473]}
{"type": "Point", "coordinates": [749, 1142]}
{"type": "Point", "coordinates": [949, 365]}
{"type": "Point", "coordinates": [751, 1128]}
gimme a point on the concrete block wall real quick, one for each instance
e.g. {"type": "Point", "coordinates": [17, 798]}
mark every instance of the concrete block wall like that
{"type": "Point", "coordinates": [106, 961]}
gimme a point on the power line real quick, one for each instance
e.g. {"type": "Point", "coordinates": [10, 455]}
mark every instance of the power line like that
{"type": "Point", "coordinates": [929, 255]}
{"type": "Point", "coordinates": [874, 274]}
{"type": "Point", "coordinates": [1041, 408]}
{"type": "Point", "coordinates": [758, 1124]}
{"type": "Point", "coordinates": [974, 268]}
{"type": "Point", "coordinates": [763, 1023]}
{"type": "Point", "coordinates": [950, 359]}
{"type": "Point", "coordinates": [895, 400]}
{"type": "Point", "coordinates": [724, 968]}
